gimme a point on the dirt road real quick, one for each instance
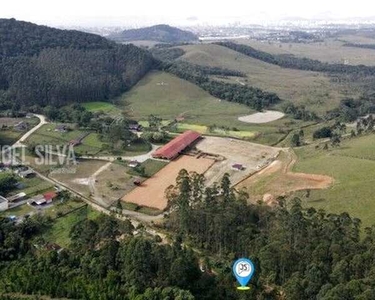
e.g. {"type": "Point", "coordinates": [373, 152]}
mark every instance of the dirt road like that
{"type": "Point", "coordinates": [42, 122]}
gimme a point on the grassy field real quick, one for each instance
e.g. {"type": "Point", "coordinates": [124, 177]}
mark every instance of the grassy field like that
{"type": "Point", "coordinates": [153, 166]}
{"type": "Point", "coordinates": [60, 230]}
{"type": "Point", "coordinates": [177, 97]}
{"type": "Point", "coordinates": [104, 107]}
{"type": "Point", "coordinates": [18, 211]}
{"type": "Point", "coordinates": [331, 51]}
{"type": "Point", "coordinates": [91, 145]}
{"type": "Point", "coordinates": [352, 166]}
{"type": "Point", "coordinates": [313, 89]}
{"type": "Point", "coordinates": [181, 127]}
{"type": "Point", "coordinates": [168, 97]}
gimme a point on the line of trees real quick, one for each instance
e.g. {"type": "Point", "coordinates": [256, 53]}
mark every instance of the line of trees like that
{"type": "Point", "coordinates": [199, 75]}
{"type": "Point", "coordinates": [293, 62]}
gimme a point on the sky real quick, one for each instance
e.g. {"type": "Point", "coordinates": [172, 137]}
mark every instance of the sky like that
{"type": "Point", "coordinates": [122, 12]}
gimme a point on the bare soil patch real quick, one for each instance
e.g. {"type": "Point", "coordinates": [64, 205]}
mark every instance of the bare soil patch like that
{"type": "Point", "coordinates": [152, 191]}
{"type": "Point", "coordinates": [277, 179]}
{"type": "Point", "coordinates": [262, 117]}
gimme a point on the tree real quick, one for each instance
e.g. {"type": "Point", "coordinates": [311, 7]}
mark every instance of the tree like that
{"type": "Point", "coordinates": [7, 183]}
{"type": "Point", "coordinates": [324, 132]}
{"type": "Point", "coordinates": [335, 140]}
{"type": "Point", "coordinates": [295, 141]}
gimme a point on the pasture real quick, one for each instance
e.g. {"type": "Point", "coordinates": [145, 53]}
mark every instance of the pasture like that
{"type": "Point", "coordinates": [313, 89]}
{"type": "Point", "coordinates": [331, 50]}
{"type": "Point", "coordinates": [352, 166]}
{"type": "Point", "coordinates": [99, 106]}
{"type": "Point", "coordinates": [168, 97]}
{"type": "Point", "coordinates": [277, 179]}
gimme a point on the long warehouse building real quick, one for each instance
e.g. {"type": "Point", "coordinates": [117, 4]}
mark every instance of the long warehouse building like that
{"type": "Point", "coordinates": [173, 149]}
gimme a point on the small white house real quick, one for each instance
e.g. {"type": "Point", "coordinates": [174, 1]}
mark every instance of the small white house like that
{"type": "Point", "coordinates": [3, 203]}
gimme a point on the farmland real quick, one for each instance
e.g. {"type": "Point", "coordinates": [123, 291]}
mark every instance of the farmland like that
{"type": "Point", "coordinates": [351, 166]}
{"type": "Point", "coordinates": [310, 88]}
{"type": "Point", "coordinates": [105, 107]}
{"type": "Point", "coordinates": [331, 50]}
{"type": "Point", "coordinates": [168, 97]}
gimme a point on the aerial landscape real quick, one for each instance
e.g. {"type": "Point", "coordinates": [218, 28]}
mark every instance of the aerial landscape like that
{"type": "Point", "coordinates": [152, 153]}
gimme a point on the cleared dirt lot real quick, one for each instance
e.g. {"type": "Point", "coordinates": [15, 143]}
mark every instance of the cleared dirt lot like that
{"type": "Point", "coordinates": [152, 192]}
{"type": "Point", "coordinates": [277, 179]}
{"type": "Point", "coordinates": [262, 117]}
{"type": "Point", "coordinates": [251, 156]}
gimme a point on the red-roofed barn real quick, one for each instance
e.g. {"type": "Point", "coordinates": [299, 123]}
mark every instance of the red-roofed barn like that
{"type": "Point", "coordinates": [178, 144]}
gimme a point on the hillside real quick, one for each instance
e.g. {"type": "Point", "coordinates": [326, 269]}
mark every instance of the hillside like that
{"type": "Point", "coordinates": [160, 33]}
{"type": "Point", "coordinates": [47, 66]}
{"type": "Point", "coordinates": [314, 89]}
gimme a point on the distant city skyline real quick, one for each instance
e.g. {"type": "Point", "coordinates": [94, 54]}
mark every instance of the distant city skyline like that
{"type": "Point", "coordinates": [192, 12]}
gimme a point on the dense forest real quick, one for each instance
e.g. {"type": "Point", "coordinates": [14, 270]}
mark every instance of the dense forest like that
{"type": "Point", "coordinates": [293, 62]}
{"type": "Point", "coordinates": [159, 33]}
{"type": "Point", "coordinates": [42, 65]}
{"type": "Point", "coordinates": [199, 75]}
{"type": "Point", "coordinates": [298, 253]}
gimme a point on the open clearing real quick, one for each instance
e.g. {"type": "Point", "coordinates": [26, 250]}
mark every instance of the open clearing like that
{"type": "Point", "coordinates": [262, 117]}
{"type": "Point", "coordinates": [277, 179]}
{"type": "Point", "coordinates": [104, 107]}
{"type": "Point", "coordinates": [152, 191]}
{"type": "Point", "coordinates": [251, 156]}
{"type": "Point", "coordinates": [168, 97]}
{"type": "Point", "coordinates": [331, 51]}
{"type": "Point", "coordinates": [310, 88]}
{"type": "Point", "coordinates": [352, 166]}
{"type": "Point", "coordinates": [78, 177]}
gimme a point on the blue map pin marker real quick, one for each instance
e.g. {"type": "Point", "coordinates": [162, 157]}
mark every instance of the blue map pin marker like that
{"type": "Point", "coordinates": [243, 270]}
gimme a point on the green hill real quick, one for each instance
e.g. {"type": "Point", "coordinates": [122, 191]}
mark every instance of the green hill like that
{"type": "Point", "coordinates": [314, 89]}
{"type": "Point", "coordinates": [160, 33]}
{"type": "Point", "coordinates": [47, 66]}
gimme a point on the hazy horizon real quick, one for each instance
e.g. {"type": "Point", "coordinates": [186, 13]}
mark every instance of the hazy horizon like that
{"type": "Point", "coordinates": [140, 13]}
